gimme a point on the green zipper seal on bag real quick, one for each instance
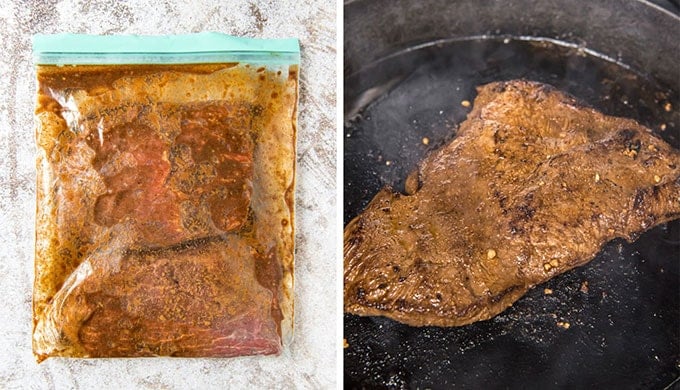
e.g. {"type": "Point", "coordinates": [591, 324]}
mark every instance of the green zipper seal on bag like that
{"type": "Point", "coordinates": [206, 47]}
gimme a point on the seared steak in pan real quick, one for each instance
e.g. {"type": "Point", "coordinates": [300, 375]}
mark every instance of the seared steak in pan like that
{"type": "Point", "coordinates": [533, 185]}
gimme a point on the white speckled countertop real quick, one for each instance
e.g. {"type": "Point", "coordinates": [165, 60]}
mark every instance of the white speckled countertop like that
{"type": "Point", "coordinates": [310, 361]}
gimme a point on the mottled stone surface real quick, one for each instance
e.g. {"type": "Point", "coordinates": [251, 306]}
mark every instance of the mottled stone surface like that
{"type": "Point", "coordinates": [310, 361]}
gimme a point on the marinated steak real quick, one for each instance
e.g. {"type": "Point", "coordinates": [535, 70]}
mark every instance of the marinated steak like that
{"type": "Point", "coordinates": [200, 299]}
{"type": "Point", "coordinates": [533, 185]}
{"type": "Point", "coordinates": [198, 185]}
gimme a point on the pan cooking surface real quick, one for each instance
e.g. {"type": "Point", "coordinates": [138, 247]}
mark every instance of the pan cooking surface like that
{"type": "Point", "coordinates": [621, 309]}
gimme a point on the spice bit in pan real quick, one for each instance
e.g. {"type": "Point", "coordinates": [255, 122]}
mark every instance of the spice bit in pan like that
{"type": "Point", "coordinates": [426, 141]}
{"type": "Point", "coordinates": [597, 177]}
{"type": "Point", "coordinates": [465, 103]}
{"type": "Point", "coordinates": [668, 107]}
{"type": "Point", "coordinates": [584, 287]}
{"type": "Point", "coordinates": [547, 291]}
{"type": "Point", "coordinates": [490, 254]}
{"type": "Point", "coordinates": [344, 343]}
{"type": "Point", "coordinates": [388, 162]}
{"type": "Point", "coordinates": [657, 178]}
{"type": "Point", "coordinates": [662, 127]}
{"type": "Point", "coordinates": [563, 324]}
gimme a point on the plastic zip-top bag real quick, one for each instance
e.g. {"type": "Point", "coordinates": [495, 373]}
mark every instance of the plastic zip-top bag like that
{"type": "Point", "coordinates": [165, 187]}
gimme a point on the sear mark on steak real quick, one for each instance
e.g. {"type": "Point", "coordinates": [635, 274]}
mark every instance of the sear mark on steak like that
{"type": "Point", "coordinates": [533, 185]}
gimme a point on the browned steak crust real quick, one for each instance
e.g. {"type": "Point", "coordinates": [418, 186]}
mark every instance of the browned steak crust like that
{"type": "Point", "coordinates": [532, 186]}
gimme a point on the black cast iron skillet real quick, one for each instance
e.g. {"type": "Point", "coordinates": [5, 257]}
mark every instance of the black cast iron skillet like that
{"type": "Point", "coordinates": [408, 67]}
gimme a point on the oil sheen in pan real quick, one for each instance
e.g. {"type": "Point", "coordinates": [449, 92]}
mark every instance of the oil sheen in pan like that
{"type": "Point", "coordinates": [614, 321]}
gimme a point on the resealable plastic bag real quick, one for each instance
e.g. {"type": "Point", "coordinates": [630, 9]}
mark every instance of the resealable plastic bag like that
{"type": "Point", "coordinates": [165, 190]}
